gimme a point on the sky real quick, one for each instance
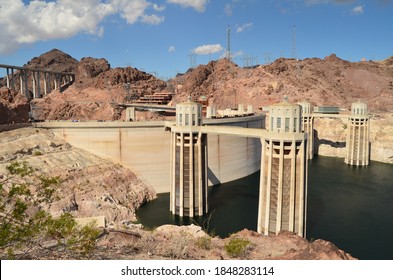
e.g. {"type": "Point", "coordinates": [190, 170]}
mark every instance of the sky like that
{"type": "Point", "coordinates": [167, 37]}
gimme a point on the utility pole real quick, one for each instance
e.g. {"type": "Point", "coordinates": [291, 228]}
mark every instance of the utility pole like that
{"type": "Point", "coordinates": [294, 51]}
{"type": "Point", "coordinates": [229, 56]}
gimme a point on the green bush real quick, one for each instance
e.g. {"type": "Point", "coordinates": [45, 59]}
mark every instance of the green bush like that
{"type": "Point", "coordinates": [24, 226]}
{"type": "Point", "coordinates": [237, 247]}
{"type": "Point", "coordinates": [204, 242]}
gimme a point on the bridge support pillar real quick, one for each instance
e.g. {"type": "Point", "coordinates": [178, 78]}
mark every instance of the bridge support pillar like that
{"type": "Point", "coordinates": [358, 131]}
{"type": "Point", "coordinates": [130, 114]}
{"type": "Point", "coordinates": [8, 77]}
{"type": "Point", "coordinates": [34, 84]}
{"type": "Point", "coordinates": [283, 181]}
{"type": "Point", "coordinates": [188, 174]}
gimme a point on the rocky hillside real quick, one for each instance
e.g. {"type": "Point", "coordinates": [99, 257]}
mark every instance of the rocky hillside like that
{"type": "Point", "coordinates": [99, 88]}
{"type": "Point", "coordinates": [94, 95]}
{"type": "Point", "coordinates": [89, 186]}
{"type": "Point", "coordinates": [328, 81]}
{"type": "Point", "coordinates": [14, 108]}
{"type": "Point", "coordinates": [171, 242]}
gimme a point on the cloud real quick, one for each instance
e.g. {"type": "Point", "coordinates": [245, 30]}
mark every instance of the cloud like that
{"type": "Point", "coordinates": [228, 9]}
{"type": "Point", "coordinates": [208, 49]}
{"type": "Point", "coordinates": [358, 10]}
{"type": "Point", "coordinates": [316, 2]}
{"type": "Point", "coordinates": [43, 20]}
{"type": "Point", "coordinates": [158, 8]}
{"type": "Point", "coordinates": [172, 49]}
{"type": "Point", "coordinates": [152, 19]}
{"type": "Point", "coordinates": [241, 28]}
{"type": "Point", "coordinates": [198, 5]}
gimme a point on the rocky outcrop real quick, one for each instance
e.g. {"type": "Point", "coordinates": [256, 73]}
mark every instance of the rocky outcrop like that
{"type": "Point", "coordinates": [14, 108]}
{"type": "Point", "coordinates": [328, 81]}
{"type": "Point", "coordinates": [170, 242]}
{"type": "Point", "coordinates": [330, 137]}
{"type": "Point", "coordinates": [90, 67]}
{"type": "Point", "coordinates": [89, 186]}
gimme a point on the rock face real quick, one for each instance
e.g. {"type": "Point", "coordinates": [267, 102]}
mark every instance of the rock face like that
{"type": "Point", "coordinates": [14, 108]}
{"type": "Point", "coordinates": [328, 81]}
{"type": "Point", "coordinates": [54, 60]}
{"type": "Point", "coordinates": [90, 186]}
{"type": "Point", "coordinates": [192, 243]}
{"type": "Point", "coordinates": [331, 137]}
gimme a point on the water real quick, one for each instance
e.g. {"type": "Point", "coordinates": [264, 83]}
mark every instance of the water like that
{"type": "Point", "coordinates": [349, 206]}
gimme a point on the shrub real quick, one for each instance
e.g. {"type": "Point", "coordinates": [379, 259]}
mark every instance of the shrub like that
{"type": "Point", "coordinates": [24, 226]}
{"type": "Point", "coordinates": [204, 242]}
{"type": "Point", "coordinates": [237, 247]}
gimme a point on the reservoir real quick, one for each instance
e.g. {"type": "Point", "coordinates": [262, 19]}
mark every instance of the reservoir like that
{"type": "Point", "coordinates": [349, 206]}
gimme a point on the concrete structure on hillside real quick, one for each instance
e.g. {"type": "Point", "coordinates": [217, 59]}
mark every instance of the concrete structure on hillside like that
{"type": "Point", "coordinates": [188, 174]}
{"type": "Point", "coordinates": [358, 135]}
{"type": "Point", "coordinates": [308, 126]}
{"type": "Point", "coordinates": [283, 182]}
{"type": "Point", "coordinates": [43, 81]}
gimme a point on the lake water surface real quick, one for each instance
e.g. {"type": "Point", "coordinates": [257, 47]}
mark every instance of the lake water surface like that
{"type": "Point", "coordinates": [349, 206]}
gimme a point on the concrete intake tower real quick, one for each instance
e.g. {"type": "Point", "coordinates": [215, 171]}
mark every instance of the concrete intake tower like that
{"type": "Point", "coordinates": [283, 182]}
{"type": "Point", "coordinates": [188, 178]}
{"type": "Point", "coordinates": [358, 135]}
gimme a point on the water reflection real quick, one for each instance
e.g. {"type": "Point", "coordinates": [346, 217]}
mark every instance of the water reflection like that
{"type": "Point", "coordinates": [350, 206]}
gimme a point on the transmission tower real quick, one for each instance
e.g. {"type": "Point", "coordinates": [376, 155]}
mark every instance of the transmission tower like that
{"type": "Point", "coordinates": [229, 44]}
{"type": "Point", "coordinates": [294, 51]}
{"type": "Point", "coordinates": [192, 60]}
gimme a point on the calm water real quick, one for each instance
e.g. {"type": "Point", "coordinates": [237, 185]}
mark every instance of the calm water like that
{"type": "Point", "coordinates": [350, 206]}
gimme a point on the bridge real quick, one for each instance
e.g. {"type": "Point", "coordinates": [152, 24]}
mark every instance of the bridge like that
{"type": "Point", "coordinates": [42, 81]}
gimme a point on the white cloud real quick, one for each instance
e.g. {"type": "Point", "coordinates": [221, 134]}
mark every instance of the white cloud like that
{"type": "Point", "coordinates": [241, 28]}
{"type": "Point", "coordinates": [208, 49]}
{"type": "Point", "coordinates": [158, 8]}
{"type": "Point", "coordinates": [358, 10]}
{"type": "Point", "coordinates": [198, 5]}
{"type": "Point", "coordinates": [41, 20]}
{"type": "Point", "coordinates": [172, 49]}
{"type": "Point", "coordinates": [228, 9]}
{"type": "Point", "coordinates": [152, 19]}
{"type": "Point", "coordinates": [316, 2]}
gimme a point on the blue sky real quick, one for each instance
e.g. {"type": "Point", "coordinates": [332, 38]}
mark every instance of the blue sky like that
{"type": "Point", "coordinates": [168, 36]}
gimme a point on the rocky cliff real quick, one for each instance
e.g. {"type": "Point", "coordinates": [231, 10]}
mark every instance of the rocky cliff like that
{"type": "Point", "coordinates": [328, 81]}
{"type": "Point", "coordinates": [89, 186]}
{"type": "Point", "coordinates": [330, 137]}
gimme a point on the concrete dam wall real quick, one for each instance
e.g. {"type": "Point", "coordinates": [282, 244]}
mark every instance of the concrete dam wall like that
{"type": "Point", "coordinates": [144, 147]}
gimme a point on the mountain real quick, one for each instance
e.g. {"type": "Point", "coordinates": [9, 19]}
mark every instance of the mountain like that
{"type": "Point", "coordinates": [328, 81]}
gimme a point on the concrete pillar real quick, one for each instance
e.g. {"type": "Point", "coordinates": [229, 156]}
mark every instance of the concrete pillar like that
{"type": "Point", "coordinates": [130, 114]}
{"type": "Point", "coordinates": [250, 110]}
{"type": "Point", "coordinates": [38, 85]}
{"type": "Point", "coordinates": [12, 79]}
{"type": "Point", "coordinates": [188, 163]}
{"type": "Point", "coordinates": [55, 81]}
{"type": "Point", "coordinates": [8, 77]}
{"type": "Point", "coordinates": [20, 82]}
{"type": "Point", "coordinates": [34, 84]}
{"type": "Point", "coordinates": [45, 84]}
{"type": "Point", "coordinates": [240, 109]}
{"type": "Point", "coordinates": [26, 83]}
{"type": "Point", "coordinates": [283, 181]}
{"type": "Point", "coordinates": [358, 134]}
